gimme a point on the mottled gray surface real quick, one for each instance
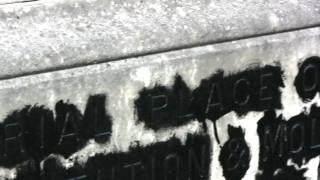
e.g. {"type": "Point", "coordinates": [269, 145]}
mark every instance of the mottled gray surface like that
{"type": "Point", "coordinates": [54, 34]}
{"type": "Point", "coordinates": [122, 81]}
{"type": "Point", "coordinates": [2, 2]}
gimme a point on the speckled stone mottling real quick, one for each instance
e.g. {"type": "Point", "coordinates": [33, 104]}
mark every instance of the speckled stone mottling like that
{"type": "Point", "coordinates": [55, 34]}
{"type": "Point", "coordinates": [121, 81]}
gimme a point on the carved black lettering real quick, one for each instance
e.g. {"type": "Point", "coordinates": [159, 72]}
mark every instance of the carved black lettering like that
{"type": "Point", "coordinates": [307, 80]}
{"type": "Point", "coordinates": [153, 167]}
{"type": "Point", "coordinates": [27, 170]}
{"type": "Point", "coordinates": [272, 131]}
{"type": "Point", "coordinates": [38, 125]}
{"type": "Point", "coordinates": [102, 174]}
{"type": "Point", "coordinates": [68, 125]}
{"type": "Point", "coordinates": [158, 103]}
{"type": "Point", "coordinates": [234, 159]}
{"type": "Point", "coordinates": [43, 133]}
{"type": "Point", "coordinates": [64, 133]}
{"type": "Point", "coordinates": [310, 78]}
{"type": "Point", "coordinates": [196, 164]}
{"type": "Point", "coordinates": [30, 134]}
{"type": "Point", "coordinates": [53, 169]}
{"type": "Point", "coordinates": [39, 133]}
{"type": "Point", "coordinates": [183, 100]}
{"type": "Point", "coordinates": [297, 137]}
{"type": "Point", "coordinates": [235, 155]}
{"type": "Point", "coordinates": [274, 140]}
{"type": "Point", "coordinates": [96, 121]}
{"type": "Point", "coordinates": [315, 143]}
{"type": "Point", "coordinates": [254, 89]}
{"type": "Point", "coordinates": [264, 92]}
{"type": "Point", "coordinates": [162, 107]}
{"type": "Point", "coordinates": [156, 99]}
{"type": "Point", "coordinates": [241, 94]}
{"type": "Point", "coordinates": [133, 170]}
{"type": "Point", "coordinates": [215, 99]}
{"type": "Point", "coordinates": [159, 161]}
{"type": "Point", "coordinates": [13, 139]}
{"type": "Point", "coordinates": [171, 168]}
{"type": "Point", "coordinates": [78, 177]}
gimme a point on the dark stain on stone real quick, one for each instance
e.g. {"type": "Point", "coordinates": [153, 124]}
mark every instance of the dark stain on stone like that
{"type": "Point", "coordinates": [235, 155]}
{"type": "Point", "coordinates": [30, 134]}
{"type": "Point", "coordinates": [68, 123]}
{"type": "Point", "coordinates": [28, 170]}
{"type": "Point", "coordinates": [162, 107]}
{"type": "Point", "coordinates": [308, 78]}
{"type": "Point", "coordinates": [285, 173]}
{"type": "Point", "coordinates": [297, 139]}
{"type": "Point", "coordinates": [96, 122]}
{"type": "Point", "coordinates": [254, 89]}
{"type": "Point", "coordinates": [52, 168]}
{"type": "Point", "coordinates": [168, 160]}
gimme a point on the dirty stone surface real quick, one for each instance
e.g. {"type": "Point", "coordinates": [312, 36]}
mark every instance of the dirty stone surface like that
{"type": "Point", "coordinates": [260, 88]}
{"type": "Point", "coordinates": [56, 34]}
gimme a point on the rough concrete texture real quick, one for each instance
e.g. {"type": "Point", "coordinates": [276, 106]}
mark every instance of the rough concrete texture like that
{"type": "Point", "coordinates": [55, 34]}
{"type": "Point", "coordinates": [121, 81]}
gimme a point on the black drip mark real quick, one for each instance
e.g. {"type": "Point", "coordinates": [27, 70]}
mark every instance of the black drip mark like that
{"type": "Point", "coordinates": [168, 160]}
{"type": "Point", "coordinates": [297, 139]}
{"type": "Point", "coordinates": [235, 155]}
{"type": "Point", "coordinates": [32, 133]}
{"type": "Point", "coordinates": [216, 135]}
{"type": "Point", "coordinates": [307, 80]}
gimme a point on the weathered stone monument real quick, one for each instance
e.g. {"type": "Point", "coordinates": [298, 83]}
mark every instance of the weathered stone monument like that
{"type": "Point", "coordinates": [159, 90]}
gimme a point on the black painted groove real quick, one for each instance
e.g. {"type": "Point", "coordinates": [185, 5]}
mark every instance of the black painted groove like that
{"type": "Point", "coordinates": [138, 55]}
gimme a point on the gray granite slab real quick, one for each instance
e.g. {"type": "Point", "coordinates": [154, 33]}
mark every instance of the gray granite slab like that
{"type": "Point", "coordinates": [121, 81]}
{"type": "Point", "coordinates": [56, 34]}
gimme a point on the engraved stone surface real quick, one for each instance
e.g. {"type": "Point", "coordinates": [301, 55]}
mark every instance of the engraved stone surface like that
{"type": "Point", "coordinates": [246, 109]}
{"type": "Point", "coordinates": [56, 34]}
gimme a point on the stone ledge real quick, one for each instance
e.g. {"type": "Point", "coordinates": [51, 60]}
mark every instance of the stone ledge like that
{"type": "Point", "coordinates": [49, 35]}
